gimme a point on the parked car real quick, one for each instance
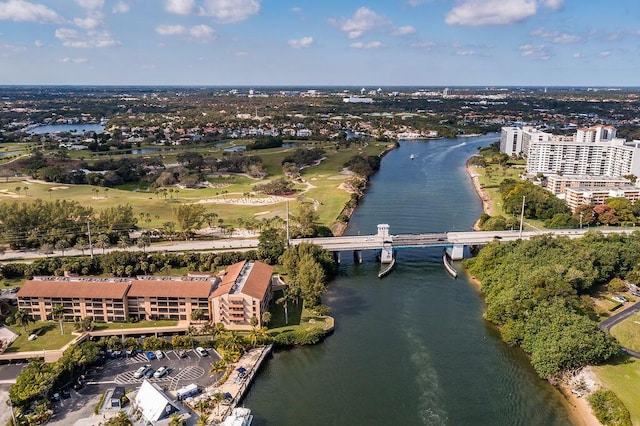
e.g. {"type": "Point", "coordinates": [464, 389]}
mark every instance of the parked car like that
{"type": "Point", "coordinates": [149, 373]}
{"type": "Point", "coordinates": [140, 371]}
{"type": "Point", "coordinates": [202, 351]}
{"type": "Point", "coordinates": [150, 355]}
{"type": "Point", "coordinates": [619, 298]}
{"type": "Point", "coordinates": [159, 354]}
{"type": "Point", "coordinates": [182, 354]}
{"type": "Point", "coordinates": [161, 372]}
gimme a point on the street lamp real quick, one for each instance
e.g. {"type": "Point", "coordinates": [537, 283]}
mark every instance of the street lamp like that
{"type": "Point", "coordinates": [581, 213]}
{"type": "Point", "coordinates": [522, 217]}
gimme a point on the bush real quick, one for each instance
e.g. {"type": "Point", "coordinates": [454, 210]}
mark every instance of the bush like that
{"type": "Point", "coordinates": [608, 408]}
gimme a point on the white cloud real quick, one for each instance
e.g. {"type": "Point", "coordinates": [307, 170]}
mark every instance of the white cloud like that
{"type": "Point", "coordinates": [605, 53]}
{"type": "Point", "coordinates": [38, 43]}
{"type": "Point", "coordinates": [88, 23]}
{"type": "Point", "coordinates": [402, 31]}
{"type": "Point", "coordinates": [91, 39]}
{"type": "Point", "coordinates": [579, 55]}
{"type": "Point", "coordinates": [556, 36]}
{"type": "Point", "coordinates": [120, 7]}
{"type": "Point", "coordinates": [67, 60]}
{"type": "Point", "coordinates": [369, 45]}
{"type": "Point", "coordinates": [364, 19]}
{"type": "Point", "coordinates": [230, 11]}
{"type": "Point", "coordinates": [301, 43]}
{"type": "Point", "coordinates": [240, 53]}
{"type": "Point", "coordinates": [203, 33]}
{"type": "Point", "coordinates": [534, 51]}
{"type": "Point", "coordinates": [90, 4]}
{"type": "Point", "coordinates": [200, 33]}
{"type": "Point", "coordinates": [491, 12]}
{"type": "Point", "coordinates": [23, 11]}
{"type": "Point", "coordinates": [180, 7]}
{"type": "Point", "coordinates": [416, 3]}
{"type": "Point", "coordinates": [170, 30]}
{"type": "Point", "coordinates": [466, 52]}
{"type": "Point", "coordinates": [552, 4]}
{"type": "Point", "coordinates": [423, 44]}
{"type": "Point", "coordinates": [12, 48]}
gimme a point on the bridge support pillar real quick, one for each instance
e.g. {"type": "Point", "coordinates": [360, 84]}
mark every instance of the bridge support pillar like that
{"type": "Point", "coordinates": [336, 257]}
{"type": "Point", "coordinates": [456, 252]}
{"type": "Point", "coordinates": [386, 255]}
{"type": "Point", "coordinates": [357, 256]}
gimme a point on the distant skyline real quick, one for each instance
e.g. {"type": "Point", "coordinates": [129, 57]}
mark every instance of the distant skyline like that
{"type": "Point", "coordinates": [312, 42]}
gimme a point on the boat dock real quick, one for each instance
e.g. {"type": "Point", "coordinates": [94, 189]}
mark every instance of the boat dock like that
{"type": "Point", "coordinates": [238, 382]}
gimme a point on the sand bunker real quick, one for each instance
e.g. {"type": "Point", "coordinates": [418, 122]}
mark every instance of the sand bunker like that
{"type": "Point", "coordinates": [58, 188]}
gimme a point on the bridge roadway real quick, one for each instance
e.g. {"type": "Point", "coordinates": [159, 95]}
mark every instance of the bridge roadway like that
{"type": "Point", "coordinates": [448, 239]}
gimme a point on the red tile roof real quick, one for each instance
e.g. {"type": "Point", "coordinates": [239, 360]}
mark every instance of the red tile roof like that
{"type": "Point", "coordinates": [256, 284]}
{"type": "Point", "coordinates": [73, 289]}
{"type": "Point", "coordinates": [171, 288]}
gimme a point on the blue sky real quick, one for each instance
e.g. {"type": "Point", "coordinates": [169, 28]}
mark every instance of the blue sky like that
{"type": "Point", "coordinates": [320, 42]}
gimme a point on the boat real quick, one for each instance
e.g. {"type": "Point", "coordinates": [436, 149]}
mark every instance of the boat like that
{"type": "Point", "coordinates": [240, 416]}
{"type": "Point", "coordinates": [412, 156]}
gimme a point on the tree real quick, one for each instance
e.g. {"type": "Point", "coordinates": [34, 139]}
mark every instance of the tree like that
{"type": "Point", "coordinates": [266, 317]}
{"type": "Point", "coordinates": [123, 242]}
{"type": "Point", "coordinates": [287, 296]}
{"type": "Point", "coordinates": [103, 242]}
{"type": "Point", "coordinates": [58, 313]}
{"type": "Point", "coordinates": [203, 420]}
{"type": "Point", "coordinates": [218, 397]}
{"type": "Point", "coordinates": [119, 419]}
{"type": "Point", "coordinates": [85, 324]}
{"type": "Point", "coordinates": [197, 315]}
{"type": "Point", "coordinates": [218, 367]}
{"type": "Point", "coordinates": [22, 317]}
{"type": "Point", "coordinates": [271, 245]}
{"type": "Point", "coordinates": [81, 244]}
{"type": "Point", "coordinates": [177, 420]}
{"type": "Point", "coordinates": [62, 245]}
{"type": "Point", "coordinates": [188, 217]}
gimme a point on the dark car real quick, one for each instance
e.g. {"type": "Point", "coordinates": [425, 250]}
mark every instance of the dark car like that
{"type": "Point", "coordinates": [149, 373]}
{"type": "Point", "coordinates": [150, 355]}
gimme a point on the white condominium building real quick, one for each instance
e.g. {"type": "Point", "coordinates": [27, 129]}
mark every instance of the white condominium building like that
{"type": "Point", "coordinates": [592, 151]}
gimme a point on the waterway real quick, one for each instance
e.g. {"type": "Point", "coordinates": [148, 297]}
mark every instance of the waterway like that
{"type": "Point", "coordinates": [412, 348]}
{"type": "Point", "coordinates": [78, 128]}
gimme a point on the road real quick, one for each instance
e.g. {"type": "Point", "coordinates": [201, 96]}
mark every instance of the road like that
{"type": "Point", "coordinates": [607, 324]}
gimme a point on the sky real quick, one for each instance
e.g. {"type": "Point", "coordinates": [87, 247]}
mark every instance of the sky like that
{"type": "Point", "coordinates": [320, 42]}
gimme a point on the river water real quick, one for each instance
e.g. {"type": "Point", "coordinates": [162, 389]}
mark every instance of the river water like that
{"type": "Point", "coordinates": [412, 348]}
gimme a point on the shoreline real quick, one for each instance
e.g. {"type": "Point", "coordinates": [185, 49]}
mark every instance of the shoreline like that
{"type": "Point", "coordinates": [480, 191]}
{"type": "Point", "coordinates": [578, 408]}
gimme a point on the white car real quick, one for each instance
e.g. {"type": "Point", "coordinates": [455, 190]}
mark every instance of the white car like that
{"type": "Point", "coordinates": [159, 354]}
{"type": "Point", "coordinates": [140, 372]}
{"type": "Point", "coordinates": [161, 372]}
{"type": "Point", "coordinates": [202, 351]}
{"type": "Point", "coordinates": [619, 298]}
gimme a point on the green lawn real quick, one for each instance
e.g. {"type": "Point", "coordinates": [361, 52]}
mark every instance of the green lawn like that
{"type": "Point", "coordinates": [49, 336]}
{"type": "Point", "coordinates": [139, 324]}
{"type": "Point", "coordinates": [324, 180]}
{"type": "Point", "coordinates": [628, 332]}
{"type": "Point", "coordinates": [299, 317]}
{"type": "Point", "coordinates": [623, 378]}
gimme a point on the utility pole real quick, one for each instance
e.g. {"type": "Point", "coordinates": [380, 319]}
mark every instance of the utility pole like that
{"type": "Point", "coordinates": [581, 213]}
{"type": "Point", "coordinates": [522, 217]}
{"type": "Point", "coordinates": [90, 243]}
{"type": "Point", "coordinates": [287, 223]}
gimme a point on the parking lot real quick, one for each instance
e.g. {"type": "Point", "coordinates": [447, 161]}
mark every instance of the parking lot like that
{"type": "Point", "coordinates": [193, 368]}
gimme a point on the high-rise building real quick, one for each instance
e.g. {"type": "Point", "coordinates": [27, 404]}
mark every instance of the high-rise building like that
{"type": "Point", "coordinates": [593, 151]}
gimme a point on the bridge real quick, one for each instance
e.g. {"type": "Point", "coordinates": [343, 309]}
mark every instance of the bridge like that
{"type": "Point", "coordinates": [454, 242]}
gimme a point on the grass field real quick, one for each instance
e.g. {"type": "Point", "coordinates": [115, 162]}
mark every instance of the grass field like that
{"type": "Point", "coordinates": [323, 182]}
{"type": "Point", "coordinates": [623, 378]}
{"type": "Point", "coordinates": [49, 336]}
{"type": "Point", "coordinates": [628, 332]}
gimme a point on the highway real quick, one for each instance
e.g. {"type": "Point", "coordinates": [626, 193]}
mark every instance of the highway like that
{"type": "Point", "coordinates": [335, 244]}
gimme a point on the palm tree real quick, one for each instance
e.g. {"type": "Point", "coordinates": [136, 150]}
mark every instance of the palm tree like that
{"type": "Point", "coordinates": [18, 189]}
{"type": "Point", "coordinates": [25, 189]}
{"type": "Point", "coordinates": [176, 420]}
{"type": "Point", "coordinates": [203, 420]}
{"type": "Point", "coordinates": [102, 241]}
{"type": "Point", "coordinates": [22, 317]}
{"type": "Point", "coordinates": [62, 245]}
{"type": "Point", "coordinates": [202, 405]}
{"type": "Point", "coordinates": [58, 313]}
{"type": "Point", "coordinates": [218, 397]}
{"type": "Point", "coordinates": [123, 243]}
{"type": "Point", "coordinates": [81, 244]}
{"type": "Point", "coordinates": [218, 367]}
{"type": "Point", "coordinates": [287, 296]}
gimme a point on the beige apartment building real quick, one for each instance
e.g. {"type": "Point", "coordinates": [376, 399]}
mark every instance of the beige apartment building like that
{"type": "Point", "coordinates": [242, 291]}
